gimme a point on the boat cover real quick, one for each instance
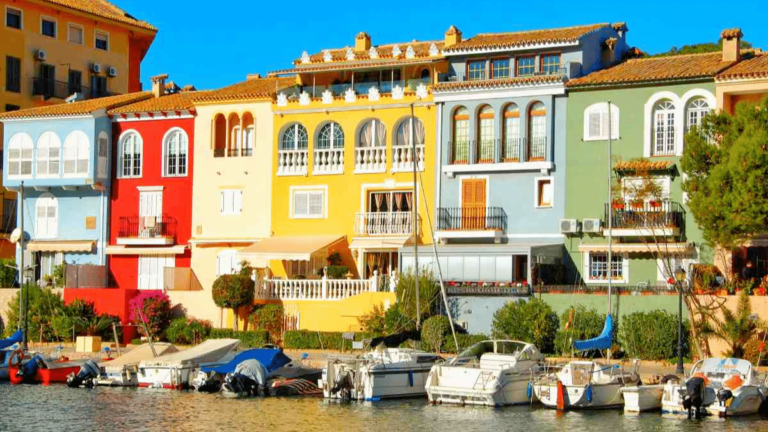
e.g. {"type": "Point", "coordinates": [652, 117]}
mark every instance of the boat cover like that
{"type": "Point", "coordinates": [14, 339]}
{"type": "Point", "coordinates": [604, 341]}
{"type": "Point", "coordinates": [136, 355]}
{"type": "Point", "coordinates": [271, 359]}
{"type": "Point", "coordinates": [208, 351]}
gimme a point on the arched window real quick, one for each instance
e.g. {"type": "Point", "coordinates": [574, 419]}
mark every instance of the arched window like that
{"type": "Point", "coordinates": [249, 134]}
{"type": "Point", "coordinates": [76, 154]}
{"type": "Point", "coordinates": [219, 135]}
{"type": "Point", "coordinates": [48, 154]}
{"type": "Point", "coordinates": [537, 132]}
{"type": "Point", "coordinates": [403, 134]}
{"type": "Point", "coordinates": [461, 136]}
{"type": "Point", "coordinates": [102, 151]}
{"type": "Point", "coordinates": [372, 134]}
{"type": "Point", "coordinates": [511, 131]}
{"type": "Point", "coordinates": [697, 109]}
{"type": "Point", "coordinates": [20, 148]}
{"type": "Point", "coordinates": [487, 134]}
{"type": "Point", "coordinates": [46, 217]}
{"type": "Point", "coordinates": [175, 149]}
{"type": "Point", "coordinates": [235, 134]}
{"type": "Point", "coordinates": [664, 128]}
{"type": "Point", "coordinates": [331, 136]}
{"type": "Point", "coordinates": [294, 138]}
{"type": "Point", "coordinates": [129, 150]}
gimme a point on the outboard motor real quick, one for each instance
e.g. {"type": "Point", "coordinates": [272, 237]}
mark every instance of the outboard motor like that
{"type": "Point", "coordinates": [723, 395]}
{"type": "Point", "coordinates": [343, 384]}
{"type": "Point", "coordinates": [207, 382]}
{"type": "Point", "coordinates": [694, 396]}
{"type": "Point", "coordinates": [240, 385]}
{"type": "Point", "coordinates": [86, 376]}
{"type": "Point", "coordinates": [28, 370]}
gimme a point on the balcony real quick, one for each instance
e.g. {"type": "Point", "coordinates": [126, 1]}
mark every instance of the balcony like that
{"type": "Point", "coordinates": [517, 154]}
{"type": "Point", "coordinates": [323, 289]}
{"type": "Point", "coordinates": [362, 88]}
{"type": "Point", "coordinates": [402, 158]}
{"type": "Point", "coordinates": [645, 219]}
{"type": "Point", "coordinates": [292, 162]}
{"type": "Point", "coordinates": [328, 161]}
{"type": "Point", "coordinates": [371, 159]}
{"type": "Point", "coordinates": [462, 77]}
{"type": "Point", "coordinates": [143, 231]}
{"type": "Point", "coordinates": [50, 89]}
{"type": "Point", "coordinates": [372, 224]}
{"type": "Point", "coordinates": [471, 222]}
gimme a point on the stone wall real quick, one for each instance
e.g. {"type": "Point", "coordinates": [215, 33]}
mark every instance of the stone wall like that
{"type": "Point", "coordinates": [6, 295]}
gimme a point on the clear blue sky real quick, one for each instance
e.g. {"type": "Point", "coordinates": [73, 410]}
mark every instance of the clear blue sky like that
{"type": "Point", "coordinates": [198, 43]}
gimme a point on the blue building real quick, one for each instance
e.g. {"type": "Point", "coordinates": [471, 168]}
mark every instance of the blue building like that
{"type": "Point", "coordinates": [60, 156]}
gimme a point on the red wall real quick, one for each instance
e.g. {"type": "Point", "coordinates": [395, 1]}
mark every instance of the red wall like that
{"type": "Point", "coordinates": [177, 192]}
{"type": "Point", "coordinates": [113, 301]}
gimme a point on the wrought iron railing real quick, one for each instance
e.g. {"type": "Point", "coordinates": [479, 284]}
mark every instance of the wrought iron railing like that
{"type": "Point", "coordinates": [461, 76]}
{"type": "Point", "coordinates": [146, 227]}
{"type": "Point", "coordinates": [537, 148]}
{"type": "Point", "coordinates": [486, 150]}
{"type": "Point", "coordinates": [61, 89]}
{"type": "Point", "coordinates": [471, 219]}
{"type": "Point", "coordinates": [645, 214]}
{"type": "Point", "coordinates": [459, 151]}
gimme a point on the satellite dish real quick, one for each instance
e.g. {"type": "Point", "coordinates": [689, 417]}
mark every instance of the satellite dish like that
{"type": "Point", "coordinates": [15, 235]}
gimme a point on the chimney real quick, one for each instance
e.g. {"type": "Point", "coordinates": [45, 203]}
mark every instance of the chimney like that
{"type": "Point", "coordinates": [731, 44]}
{"type": "Point", "coordinates": [362, 42]}
{"type": "Point", "coordinates": [158, 85]}
{"type": "Point", "coordinates": [452, 36]}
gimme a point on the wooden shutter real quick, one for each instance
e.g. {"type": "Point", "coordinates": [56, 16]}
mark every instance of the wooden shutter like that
{"type": "Point", "coordinates": [473, 204]}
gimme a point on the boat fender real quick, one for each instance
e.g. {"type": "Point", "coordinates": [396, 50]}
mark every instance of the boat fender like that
{"type": "Point", "coordinates": [529, 391]}
{"type": "Point", "coordinates": [410, 378]}
{"type": "Point", "coordinates": [560, 396]}
{"type": "Point", "coordinates": [588, 393]}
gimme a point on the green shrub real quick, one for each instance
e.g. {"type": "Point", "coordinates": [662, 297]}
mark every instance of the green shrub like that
{"type": "Point", "coordinates": [396, 322]}
{"type": "Point", "coordinates": [44, 305]}
{"type": "Point", "coordinates": [248, 339]}
{"type": "Point", "coordinates": [374, 322]}
{"type": "Point", "coordinates": [652, 335]}
{"type": "Point", "coordinates": [337, 271]}
{"type": "Point", "coordinates": [586, 324]}
{"type": "Point", "coordinates": [188, 331]}
{"type": "Point", "coordinates": [2, 326]}
{"type": "Point", "coordinates": [304, 339]}
{"type": "Point", "coordinates": [7, 273]}
{"type": "Point", "coordinates": [429, 289]}
{"type": "Point", "coordinates": [233, 291]}
{"type": "Point", "coordinates": [530, 321]}
{"type": "Point", "coordinates": [434, 330]}
{"type": "Point", "coordinates": [268, 317]}
{"type": "Point", "coordinates": [465, 341]}
{"type": "Point", "coordinates": [137, 341]}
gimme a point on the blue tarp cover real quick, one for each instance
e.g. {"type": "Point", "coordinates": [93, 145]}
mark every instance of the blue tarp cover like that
{"type": "Point", "coordinates": [271, 359]}
{"type": "Point", "coordinates": [14, 339]}
{"type": "Point", "coordinates": [601, 342]}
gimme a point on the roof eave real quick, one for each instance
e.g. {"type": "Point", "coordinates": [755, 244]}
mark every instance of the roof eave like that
{"type": "Point", "coordinates": [452, 52]}
{"type": "Point", "coordinates": [638, 83]}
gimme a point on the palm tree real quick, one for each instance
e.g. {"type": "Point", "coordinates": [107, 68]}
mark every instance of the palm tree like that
{"type": "Point", "coordinates": [735, 329]}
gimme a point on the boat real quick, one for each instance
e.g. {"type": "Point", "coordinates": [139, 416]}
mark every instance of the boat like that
{"type": "Point", "coordinates": [211, 376]}
{"type": "Point", "coordinates": [383, 373]}
{"type": "Point", "coordinates": [38, 370]}
{"type": "Point", "coordinates": [642, 398]}
{"type": "Point", "coordinates": [490, 373]}
{"type": "Point", "coordinates": [176, 370]}
{"type": "Point", "coordinates": [8, 348]}
{"type": "Point", "coordinates": [584, 385]}
{"type": "Point", "coordinates": [723, 387]}
{"type": "Point", "coordinates": [123, 370]}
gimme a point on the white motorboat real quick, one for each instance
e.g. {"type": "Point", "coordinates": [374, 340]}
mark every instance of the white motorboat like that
{"type": "Point", "coordinates": [491, 373]}
{"type": "Point", "coordinates": [382, 373]}
{"type": "Point", "coordinates": [717, 386]}
{"type": "Point", "coordinates": [584, 385]}
{"type": "Point", "coordinates": [642, 398]}
{"type": "Point", "coordinates": [175, 370]}
{"type": "Point", "coordinates": [123, 371]}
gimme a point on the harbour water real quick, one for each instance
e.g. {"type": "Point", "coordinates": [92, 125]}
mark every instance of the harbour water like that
{"type": "Point", "coordinates": [58, 408]}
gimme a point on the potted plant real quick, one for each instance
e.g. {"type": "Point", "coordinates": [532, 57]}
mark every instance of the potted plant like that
{"type": "Point", "coordinates": [637, 204]}
{"type": "Point", "coordinates": [654, 203]}
{"type": "Point", "coordinates": [617, 205]}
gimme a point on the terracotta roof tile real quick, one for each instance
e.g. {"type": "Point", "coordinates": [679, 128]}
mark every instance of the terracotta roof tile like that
{"type": "Point", "coordinates": [104, 9]}
{"type": "Point", "coordinates": [351, 65]}
{"type": "Point", "coordinates": [498, 83]}
{"type": "Point", "coordinates": [522, 38]}
{"type": "Point", "coordinates": [755, 67]}
{"type": "Point", "coordinates": [85, 107]}
{"type": "Point", "coordinates": [255, 88]}
{"type": "Point", "coordinates": [169, 102]}
{"type": "Point", "coordinates": [643, 165]}
{"type": "Point", "coordinates": [731, 33]}
{"type": "Point", "coordinates": [421, 49]}
{"type": "Point", "coordinates": [656, 69]}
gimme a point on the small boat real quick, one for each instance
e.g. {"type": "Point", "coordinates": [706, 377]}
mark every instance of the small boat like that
{"type": "Point", "coordinates": [176, 370]}
{"type": "Point", "coordinates": [8, 349]}
{"type": "Point", "coordinates": [642, 398]}
{"type": "Point", "coordinates": [40, 371]}
{"type": "Point", "coordinates": [584, 385]}
{"type": "Point", "coordinates": [123, 370]}
{"type": "Point", "coordinates": [491, 373]}
{"type": "Point", "coordinates": [211, 376]}
{"type": "Point", "coordinates": [716, 386]}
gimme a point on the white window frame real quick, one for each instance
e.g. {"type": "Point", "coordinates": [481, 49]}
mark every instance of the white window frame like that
{"type": "Point", "coordinates": [587, 269]}
{"type": "Point", "coordinates": [333, 144]}
{"type": "Point", "coordinates": [232, 263]}
{"type": "Point", "coordinates": [55, 26]}
{"type": "Point", "coordinates": [5, 18]}
{"type": "Point", "coordinates": [121, 142]}
{"type": "Point", "coordinates": [51, 145]}
{"type": "Point", "coordinates": [601, 109]}
{"type": "Point", "coordinates": [308, 190]}
{"type": "Point", "coordinates": [95, 37]}
{"type": "Point", "coordinates": [663, 181]}
{"type": "Point", "coordinates": [661, 116]}
{"type": "Point", "coordinates": [374, 123]}
{"type": "Point", "coordinates": [296, 140]}
{"type": "Point", "coordinates": [536, 181]}
{"type": "Point", "coordinates": [47, 233]}
{"type": "Point", "coordinates": [700, 112]}
{"type": "Point", "coordinates": [70, 26]}
{"type": "Point", "coordinates": [160, 263]}
{"type": "Point", "coordinates": [78, 157]}
{"type": "Point", "coordinates": [24, 142]}
{"type": "Point", "coordinates": [237, 201]}
{"type": "Point", "coordinates": [183, 144]}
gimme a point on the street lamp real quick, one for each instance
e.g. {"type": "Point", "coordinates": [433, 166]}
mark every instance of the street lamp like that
{"type": "Point", "coordinates": [679, 279]}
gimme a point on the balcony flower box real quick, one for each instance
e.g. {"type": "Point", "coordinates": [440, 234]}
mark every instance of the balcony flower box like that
{"type": "Point", "coordinates": [637, 204]}
{"type": "Point", "coordinates": [617, 205]}
{"type": "Point", "coordinates": [655, 204]}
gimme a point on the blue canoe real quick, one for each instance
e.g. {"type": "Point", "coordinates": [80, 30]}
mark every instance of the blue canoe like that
{"type": "Point", "coordinates": [271, 359]}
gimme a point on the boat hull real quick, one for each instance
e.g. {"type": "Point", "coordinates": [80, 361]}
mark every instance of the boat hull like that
{"type": "Point", "coordinates": [603, 396]}
{"type": "Point", "coordinates": [173, 378]}
{"type": "Point", "coordinates": [44, 376]}
{"type": "Point", "coordinates": [642, 398]}
{"type": "Point", "coordinates": [466, 386]}
{"type": "Point", "coordinates": [746, 400]}
{"type": "Point", "coordinates": [375, 385]}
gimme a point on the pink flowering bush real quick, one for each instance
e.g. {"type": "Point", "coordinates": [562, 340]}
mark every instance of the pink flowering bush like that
{"type": "Point", "coordinates": [155, 309]}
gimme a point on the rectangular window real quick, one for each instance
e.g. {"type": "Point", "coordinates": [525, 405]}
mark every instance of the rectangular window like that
{"type": "Point", "coordinates": [544, 192]}
{"type": "Point", "coordinates": [75, 34]}
{"type": "Point", "coordinates": [13, 74]}
{"type": "Point", "coordinates": [476, 70]}
{"type": "Point", "coordinates": [500, 68]}
{"type": "Point", "coordinates": [102, 40]}
{"type": "Point", "coordinates": [597, 267]}
{"type": "Point", "coordinates": [152, 271]}
{"type": "Point", "coordinates": [248, 141]}
{"type": "Point", "coordinates": [13, 18]}
{"type": "Point", "coordinates": [231, 201]}
{"type": "Point", "coordinates": [550, 64]}
{"type": "Point", "coordinates": [596, 125]}
{"type": "Point", "coordinates": [48, 27]}
{"type": "Point", "coordinates": [98, 86]}
{"type": "Point", "coordinates": [308, 204]}
{"type": "Point", "coordinates": [74, 82]}
{"type": "Point", "coordinates": [9, 108]}
{"type": "Point", "coordinates": [526, 66]}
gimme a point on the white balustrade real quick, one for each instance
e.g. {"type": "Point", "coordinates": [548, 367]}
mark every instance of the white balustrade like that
{"type": "Point", "coordinates": [328, 161]}
{"type": "Point", "coordinates": [383, 223]}
{"type": "Point", "coordinates": [402, 158]}
{"type": "Point", "coordinates": [314, 289]}
{"type": "Point", "coordinates": [371, 159]}
{"type": "Point", "coordinates": [292, 162]}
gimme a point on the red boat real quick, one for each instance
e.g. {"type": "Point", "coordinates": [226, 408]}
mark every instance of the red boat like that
{"type": "Point", "coordinates": [55, 371]}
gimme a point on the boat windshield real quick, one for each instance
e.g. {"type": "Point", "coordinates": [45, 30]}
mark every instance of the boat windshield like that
{"type": "Point", "coordinates": [476, 351]}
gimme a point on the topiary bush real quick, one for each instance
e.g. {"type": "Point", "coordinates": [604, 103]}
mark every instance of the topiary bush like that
{"type": "Point", "coordinates": [465, 341]}
{"type": "Point", "coordinates": [303, 339]}
{"type": "Point", "coordinates": [586, 324]}
{"type": "Point", "coordinates": [188, 331]}
{"type": "Point", "coordinates": [652, 335]}
{"type": "Point", "coordinates": [233, 292]}
{"type": "Point", "coordinates": [531, 321]}
{"type": "Point", "coordinates": [434, 330]}
{"type": "Point", "coordinates": [152, 308]}
{"type": "Point", "coordinates": [269, 318]}
{"type": "Point", "coordinates": [248, 339]}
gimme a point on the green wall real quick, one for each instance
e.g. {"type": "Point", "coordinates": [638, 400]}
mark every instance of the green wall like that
{"type": "Point", "coordinates": [622, 305]}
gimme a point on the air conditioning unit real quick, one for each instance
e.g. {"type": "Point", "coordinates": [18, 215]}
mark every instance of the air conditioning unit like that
{"type": "Point", "coordinates": [590, 225]}
{"type": "Point", "coordinates": [112, 71]}
{"type": "Point", "coordinates": [96, 68]}
{"type": "Point", "coordinates": [40, 55]}
{"type": "Point", "coordinates": [569, 226]}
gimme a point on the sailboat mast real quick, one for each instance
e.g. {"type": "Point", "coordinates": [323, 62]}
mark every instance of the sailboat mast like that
{"type": "Point", "coordinates": [610, 208]}
{"type": "Point", "coordinates": [417, 285]}
{"type": "Point", "coordinates": [22, 293]}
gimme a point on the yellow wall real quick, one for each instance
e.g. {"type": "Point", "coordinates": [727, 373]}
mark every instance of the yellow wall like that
{"type": "Point", "coordinates": [730, 93]}
{"type": "Point", "coordinates": [339, 315]}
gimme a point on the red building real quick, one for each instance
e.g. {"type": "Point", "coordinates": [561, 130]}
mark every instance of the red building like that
{"type": "Point", "coordinates": [151, 196]}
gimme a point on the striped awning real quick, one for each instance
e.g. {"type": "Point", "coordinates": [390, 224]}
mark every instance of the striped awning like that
{"type": "Point", "coordinates": [60, 246]}
{"type": "Point", "coordinates": [657, 248]}
{"type": "Point", "coordinates": [169, 250]}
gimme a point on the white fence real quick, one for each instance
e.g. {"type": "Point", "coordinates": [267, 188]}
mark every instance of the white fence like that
{"type": "Point", "coordinates": [318, 289]}
{"type": "Point", "coordinates": [383, 223]}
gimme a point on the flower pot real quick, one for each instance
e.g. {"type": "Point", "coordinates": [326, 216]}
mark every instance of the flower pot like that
{"type": "Point", "coordinates": [617, 206]}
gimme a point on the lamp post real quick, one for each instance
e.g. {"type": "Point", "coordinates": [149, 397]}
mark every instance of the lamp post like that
{"type": "Point", "coordinates": [679, 279]}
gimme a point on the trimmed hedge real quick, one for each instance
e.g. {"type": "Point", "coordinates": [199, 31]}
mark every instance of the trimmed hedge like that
{"type": "Point", "coordinates": [465, 341]}
{"type": "Point", "coordinates": [303, 339]}
{"type": "Point", "coordinates": [248, 339]}
{"type": "Point", "coordinates": [652, 335]}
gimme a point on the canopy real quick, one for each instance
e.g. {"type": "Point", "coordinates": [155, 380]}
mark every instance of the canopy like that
{"type": "Point", "coordinates": [60, 246]}
{"type": "Point", "coordinates": [14, 339]}
{"type": "Point", "coordinates": [271, 359]}
{"type": "Point", "coordinates": [376, 243]}
{"type": "Point", "coordinates": [289, 248]}
{"type": "Point", "coordinates": [136, 355]}
{"type": "Point", "coordinates": [604, 341]}
{"type": "Point", "coordinates": [122, 250]}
